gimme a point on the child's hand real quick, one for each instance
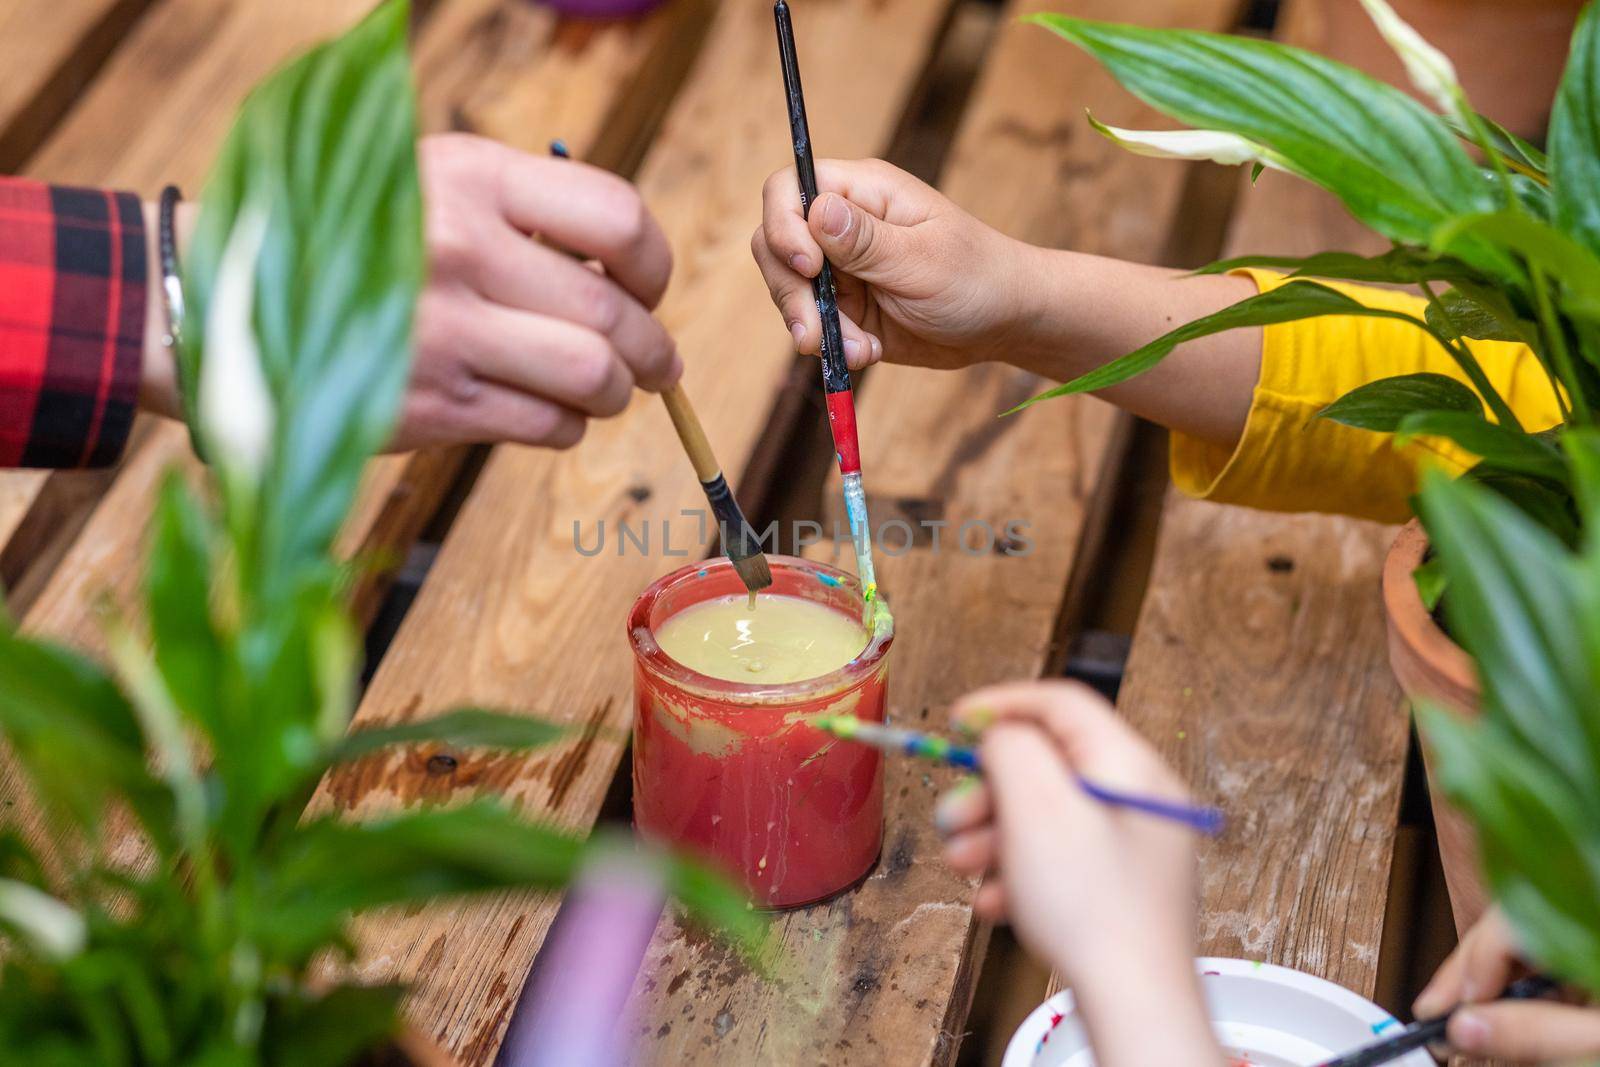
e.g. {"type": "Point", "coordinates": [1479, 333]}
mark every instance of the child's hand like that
{"type": "Point", "coordinates": [919, 280]}
{"type": "Point", "coordinates": [1104, 894]}
{"type": "Point", "coordinates": [1526, 1031]}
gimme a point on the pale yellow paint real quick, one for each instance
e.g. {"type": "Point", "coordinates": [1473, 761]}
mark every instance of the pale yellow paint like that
{"type": "Point", "coordinates": [784, 639]}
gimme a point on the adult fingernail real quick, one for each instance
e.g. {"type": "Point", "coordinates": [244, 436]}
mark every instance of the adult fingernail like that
{"type": "Point", "coordinates": [835, 217]}
{"type": "Point", "coordinates": [797, 330]}
{"type": "Point", "coordinates": [800, 263]}
{"type": "Point", "coordinates": [852, 349]}
{"type": "Point", "coordinates": [1469, 1032]}
{"type": "Point", "coordinates": [877, 348]}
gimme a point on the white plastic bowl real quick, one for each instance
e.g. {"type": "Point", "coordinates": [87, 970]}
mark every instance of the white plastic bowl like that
{"type": "Point", "coordinates": [1264, 1015]}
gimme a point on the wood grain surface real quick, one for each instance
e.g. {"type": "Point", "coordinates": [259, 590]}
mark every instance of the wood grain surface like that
{"type": "Point", "coordinates": [883, 974]}
{"type": "Point", "coordinates": [1259, 668]}
{"type": "Point", "coordinates": [511, 614]}
{"type": "Point", "coordinates": [49, 50]}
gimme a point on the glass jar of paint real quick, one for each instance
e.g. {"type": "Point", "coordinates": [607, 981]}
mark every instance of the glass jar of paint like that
{"type": "Point", "coordinates": [732, 771]}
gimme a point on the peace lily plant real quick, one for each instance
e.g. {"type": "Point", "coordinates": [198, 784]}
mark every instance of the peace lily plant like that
{"type": "Point", "coordinates": [1503, 240]}
{"type": "Point", "coordinates": [230, 695]}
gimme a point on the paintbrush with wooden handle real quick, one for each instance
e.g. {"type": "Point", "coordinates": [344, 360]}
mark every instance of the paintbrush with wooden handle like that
{"type": "Point", "coordinates": [739, 541]}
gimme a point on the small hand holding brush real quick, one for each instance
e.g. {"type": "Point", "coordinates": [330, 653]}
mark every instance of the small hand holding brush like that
{"type": "Point", "coordinates": [927, 746]}
{"type": "Point", "coordinates": [1425, 1032]}
{"type": "Point", "coordinates": [739, 541]}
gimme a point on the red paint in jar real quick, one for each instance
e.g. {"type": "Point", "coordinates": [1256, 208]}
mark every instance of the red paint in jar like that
{"type": "Point", "coordinates": [730, 771]}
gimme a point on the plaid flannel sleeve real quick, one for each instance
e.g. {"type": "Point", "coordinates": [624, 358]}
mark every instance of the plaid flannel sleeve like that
{"type": "Point", "coordinates": [72, 320]}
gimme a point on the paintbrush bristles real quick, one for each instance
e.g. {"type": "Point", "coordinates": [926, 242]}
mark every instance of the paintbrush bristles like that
{"type": "Point", "coordinates": [753, 571]}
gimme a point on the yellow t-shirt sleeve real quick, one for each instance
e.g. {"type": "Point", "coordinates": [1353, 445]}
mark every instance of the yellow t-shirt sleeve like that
{"type": "Point", "coordinates": [1287, 460]}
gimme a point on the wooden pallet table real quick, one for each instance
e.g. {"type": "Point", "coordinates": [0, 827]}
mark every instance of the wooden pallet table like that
{"type": "Point", "coordinates": [1258, 662]}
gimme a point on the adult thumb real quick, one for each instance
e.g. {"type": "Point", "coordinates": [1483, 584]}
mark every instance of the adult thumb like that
{"type": "Point", "coordinates": [854, 240]}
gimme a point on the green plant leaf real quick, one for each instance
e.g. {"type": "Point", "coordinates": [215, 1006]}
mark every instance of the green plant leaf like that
{"type": "Point", "coordinates": [465, 726]}
{"type": "Point", "coordinates": [1575, 135]}
{"type": "Point", "coordinates": [326, 148]}
{"type": "Point", "coordinates": [1583, 453]}
{"type": "Point", "coordinates": [187, 647]}
{"type": "Point", "coordinates": [1504, 448]}
{"type": "Point", "coordinates": [1575, 267]}
{"type": "Point", "coordinates": [1459, 315]}
{"type": "Point", "coordinates": [1536, 835]}
{"type": "Point", "coordinates": [330, 1030]}
{"type": "Point", "coordinates": [1393, 163]}
{"type": "Point", "coordinates": [332, 867]}
{"type": "Point", "coordinates": [1400, 265]}
{"type": "Point", "coordinates": [77, 737]}
{"type": "Point", "coordinates": [1526, 611]}
{"type": "Point", "coordinates": [1383, 404]}
{"type": "Point", "coordinates": [1515, 149]}
{"type": "Point", "coordinates": [1287, 303]}
{"type": "Point", "coordinates": [1431, 583]}
{"type": "Point", "coordinates": [1546, 502]}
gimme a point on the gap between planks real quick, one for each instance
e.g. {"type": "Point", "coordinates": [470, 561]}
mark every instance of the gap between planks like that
{"type": "Point", "coordinates": [1258, 667]}
{"type": "Point", "coordinates": [518, 617]}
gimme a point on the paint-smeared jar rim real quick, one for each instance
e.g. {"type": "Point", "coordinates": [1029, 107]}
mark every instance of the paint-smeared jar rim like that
{"type": "Point", "coordinates": [645, 648]}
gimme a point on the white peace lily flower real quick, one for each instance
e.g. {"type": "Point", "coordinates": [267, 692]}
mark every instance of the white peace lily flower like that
{"type": "Point", "coordinates": [236, 412]}
{"type": "Point", "coordinates": [1429, 69]}
{"type": "Point", "coordinates": [1229, 149]}
{"type": "Point", "coordinates": [57, 930]}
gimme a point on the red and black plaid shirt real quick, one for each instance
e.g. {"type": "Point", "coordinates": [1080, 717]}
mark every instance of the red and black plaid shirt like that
{"type": "Point", "coordinates": [72, 318]}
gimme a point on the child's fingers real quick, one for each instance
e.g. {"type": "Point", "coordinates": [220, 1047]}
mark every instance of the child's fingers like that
{"type": "Point", "coordinates": [968, 804]}
{"type": "Point", "coordinates": [1028, 777]}
{"type": "Point", "coordinates": [791, 293]}
{"type": "Point", "coordinates": [1088, 732]}
{"type": "Point", "coordinates": [1528, 1031]}
{"type": "Point", "coordinates": [973, 852]}
{"type": "Point", "coordinates": [783, 225]}
{"type": "Point", "coordinates": [990, 902]}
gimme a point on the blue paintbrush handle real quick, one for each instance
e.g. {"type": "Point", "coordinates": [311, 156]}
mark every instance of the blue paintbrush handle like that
{"type": "Point", "coordinates": [926, 746]}
{"type": "Point", "coordinates": [1206, 820]}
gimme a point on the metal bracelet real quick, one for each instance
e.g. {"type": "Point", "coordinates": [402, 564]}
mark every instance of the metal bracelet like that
{"type": "Point", "coordinates": [171, 280]}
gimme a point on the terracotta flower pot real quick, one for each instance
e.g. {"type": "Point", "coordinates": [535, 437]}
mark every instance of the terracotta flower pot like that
{"type": "Point", "coordinates": [1432, 668]}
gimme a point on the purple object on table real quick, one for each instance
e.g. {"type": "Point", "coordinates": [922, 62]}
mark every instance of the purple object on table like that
{"type": "Point", "coordinates": [572, 1003]}
{"type": "Point", "coordinates": [603, 9]}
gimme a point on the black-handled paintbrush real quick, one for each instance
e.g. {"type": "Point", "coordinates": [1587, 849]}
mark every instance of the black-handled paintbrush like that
{"type": "Point", "coordinates": [1427, 1031]}
{"type": "Point", "coordinates": [835, 372]}
{"type": "Point", "coordinates": [739, 541]}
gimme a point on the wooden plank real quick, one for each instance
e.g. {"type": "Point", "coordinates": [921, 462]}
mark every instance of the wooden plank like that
{"type": "Point", "coordinates": [883, 974]}
{"type": "Point", "coordinates": [1259, 668]}
{"type": "Point", "coordinates": [511, 615]}
{"type": "Point", "coordinates": [49, 50]}
{"type": "Point", "coordinates": [502, 39]}
{"type": "Point", "coordinates": [155, 114]}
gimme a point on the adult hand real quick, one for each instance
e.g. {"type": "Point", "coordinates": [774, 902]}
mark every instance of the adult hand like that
{"type": "Point", "coordinates": [919, 280]}
{"type": "Point", "coordinates": [1105, 894]}
{"type": "Point", "coordinates": [517, 340]}
{"type": "Point", "coordinates": [1529, 1031]}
